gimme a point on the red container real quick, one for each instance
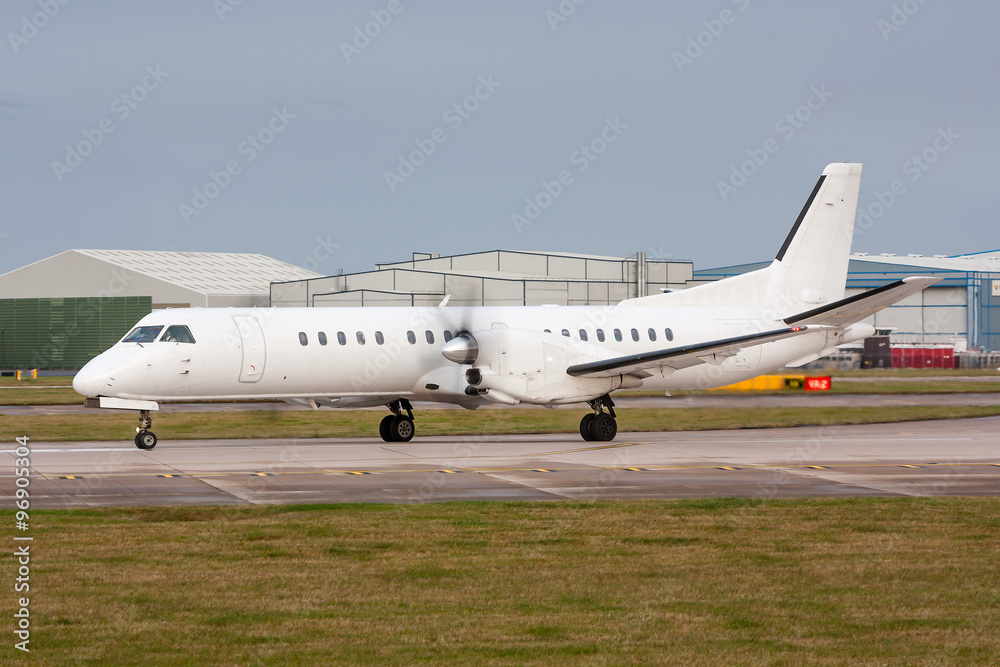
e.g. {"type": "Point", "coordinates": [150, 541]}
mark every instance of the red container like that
{"type": "Point", "coordinates": [923, 357]}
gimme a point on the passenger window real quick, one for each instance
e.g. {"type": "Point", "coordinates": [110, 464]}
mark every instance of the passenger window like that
{"type": "Point", "coordinates": [429, 336]}
{"type": "Point", "coordinates": [322, 337]}
{"type": "Point", "coordinates": [447, 336]}
{"type": "Point", "coordinates": [303, 338]}
{"type": "Point", "coordinates": [583, 334]}
{"type": "Point", "coordinates": [143, 334]}
{"type": "Point", "coordinates": [565, 332]}
{"type": "Point", "coordinates": [618, 335]}
{"type": "Point", "coordinates": [177, 333]}
{"type": "Point", "coordinates": [548, 331]}
{"type": "Point", "coordinates": [361, 338]}
{"type": "Point", "coordinates": [652, 334]}
{"type": "Point", "coordinates": [411, 337]}
{"type": "Point", "coordinates": [635, 335]}
{"type": "Point", "coordinates": [668, 334]}
{"type": "Point", "coordinates": [341, 338]}
{"type": "Point", "coordinates": [600, 335]}
{"type": "Point", "coordinates": [379, 338]}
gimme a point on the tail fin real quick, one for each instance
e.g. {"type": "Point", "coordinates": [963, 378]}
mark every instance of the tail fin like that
{"type": "Point", "coordinates": [816, 252]}
{"type": "Point", "coordinates": [811, 267]}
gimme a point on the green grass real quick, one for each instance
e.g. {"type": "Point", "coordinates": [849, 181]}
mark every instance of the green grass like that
{"type": "Point", "coordinates": [364, 423]}
{"type": "Point", "coordinates": [711, 582]}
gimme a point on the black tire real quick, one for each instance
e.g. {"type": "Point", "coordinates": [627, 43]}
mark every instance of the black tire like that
{"type": "Point", "coordinates": [402, 429]}
{"type": "Point", "coordinates": [585, 426]}
{"type": "Point", "coordinates": [385, 428]}
{"type": "Point", "coordinates": [145, 440]}
{"type": "Point", "coordinates": [604, 427]}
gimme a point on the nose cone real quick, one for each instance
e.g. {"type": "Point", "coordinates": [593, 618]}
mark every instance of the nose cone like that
{"type": "Point", "coordinates": [462, 349]}
{"type": "Point", "coordinates": [92, 379]}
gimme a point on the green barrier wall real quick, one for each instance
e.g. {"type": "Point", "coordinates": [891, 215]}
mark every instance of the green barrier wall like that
{"type": "Point", "coordinates": [64, 333]}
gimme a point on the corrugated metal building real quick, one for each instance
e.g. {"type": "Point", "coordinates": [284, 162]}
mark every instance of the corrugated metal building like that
{"type": "Point", "coordinates": [172, 279]}
{"type": "Point", "coordinates": [493, 278]}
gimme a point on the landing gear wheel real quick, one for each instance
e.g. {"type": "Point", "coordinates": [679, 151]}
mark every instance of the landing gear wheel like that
{"type": "Point", "coordinates": [145, 440]}
{"type": "Point", "coordinates": [401, 429]}
{"type": "Point", "coordinates": [603, 427]}
{"type": "Point", "coordinates": [385, 428]}
{"type": "Point", "coordinates": [585, 426]}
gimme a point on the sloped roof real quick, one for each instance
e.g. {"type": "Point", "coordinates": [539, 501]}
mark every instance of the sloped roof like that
{"type": "Point", "coordinates": [205, 272]}
{"type": "Point", "coordinates": [978, 262]}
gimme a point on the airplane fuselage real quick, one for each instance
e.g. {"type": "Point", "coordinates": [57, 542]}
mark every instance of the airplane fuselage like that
{"type": "Point", "coordinates": [313, 353]}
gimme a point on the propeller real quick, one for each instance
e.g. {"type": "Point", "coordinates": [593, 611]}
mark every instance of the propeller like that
{"type": "Point", "coordinates": [463, 348]}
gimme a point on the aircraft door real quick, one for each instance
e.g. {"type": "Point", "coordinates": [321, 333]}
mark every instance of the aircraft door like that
{"type": "Point", "coordinates": [252, 344]}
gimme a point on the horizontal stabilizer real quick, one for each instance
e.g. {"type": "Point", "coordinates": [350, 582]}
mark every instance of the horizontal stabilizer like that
{"type": "Point", "coordinates": [676, 358]}
{"type": "Point", "coordinates": [858, 307]}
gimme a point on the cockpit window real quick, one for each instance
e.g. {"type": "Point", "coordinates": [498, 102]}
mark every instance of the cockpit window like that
{"type": "Point", "coordinates": [142, 335]}
{"type": "Point", "coordinates": [177, 333]}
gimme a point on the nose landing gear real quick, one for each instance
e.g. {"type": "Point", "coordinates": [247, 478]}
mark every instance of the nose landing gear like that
{"type": "Point", "coordinates": [144, 438]}
{"type": "Point", "coordinates": [601, 426]}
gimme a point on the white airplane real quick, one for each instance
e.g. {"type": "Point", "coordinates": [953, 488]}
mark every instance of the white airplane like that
{"type": "Point", "coordinates": [711, 335]}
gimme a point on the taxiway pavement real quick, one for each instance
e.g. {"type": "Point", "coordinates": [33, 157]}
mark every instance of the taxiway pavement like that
{"type": "Point", "coordinates": [934, 458]}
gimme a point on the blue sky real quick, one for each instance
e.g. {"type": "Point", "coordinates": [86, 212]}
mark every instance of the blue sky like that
{"type": "Point", "coordinates": [692, 131]}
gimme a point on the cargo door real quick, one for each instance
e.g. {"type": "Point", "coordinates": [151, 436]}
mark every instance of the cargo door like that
{"type": "Point", "coordinates": [252, 345]}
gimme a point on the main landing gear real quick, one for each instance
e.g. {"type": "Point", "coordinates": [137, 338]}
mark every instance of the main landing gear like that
{"type": "Point", "coordinates": [397, 427]}
{"type": "Point", "coordinates": [600, 426]}
{"type": "Point", "coordinates": [144, 438]}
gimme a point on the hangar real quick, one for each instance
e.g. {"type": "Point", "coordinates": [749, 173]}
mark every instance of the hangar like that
{"type": "Point", "coordinates": [61, 311]}
{"type": "Point", "coordinates": [492, 278]}
{"type": "Point", "coordinates": [172, 279]}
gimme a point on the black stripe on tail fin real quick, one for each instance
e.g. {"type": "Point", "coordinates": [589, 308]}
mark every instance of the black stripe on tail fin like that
{"type": "Point", "coordinates": [798, 221]}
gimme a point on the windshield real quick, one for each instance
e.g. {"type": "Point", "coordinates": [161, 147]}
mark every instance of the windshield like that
{"type": "Point", "coordinates": [177, 333]}
{"type": "Point", "coordinates": [143, 334]}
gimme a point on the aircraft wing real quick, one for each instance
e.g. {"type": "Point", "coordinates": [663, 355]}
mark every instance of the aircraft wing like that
{"type": "Point", "coordinates": [711, 352]}
{"type": "Point", "coordinates": [858, 307]}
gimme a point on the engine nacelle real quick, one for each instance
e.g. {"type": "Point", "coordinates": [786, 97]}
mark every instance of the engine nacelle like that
{"type": "Point", "coordinates": [522, 366]}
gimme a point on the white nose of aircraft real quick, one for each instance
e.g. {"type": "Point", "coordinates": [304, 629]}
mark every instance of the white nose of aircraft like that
{"type": "Point", "coordinates": [92, 379]}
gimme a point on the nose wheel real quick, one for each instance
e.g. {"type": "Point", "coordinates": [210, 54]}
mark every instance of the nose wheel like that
{"type": "Point", "coordinates": [144, 438]}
